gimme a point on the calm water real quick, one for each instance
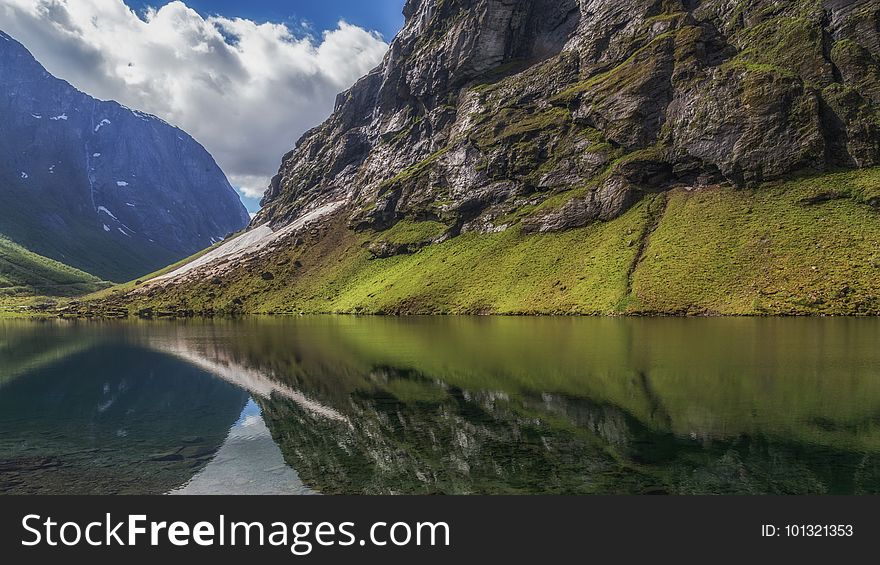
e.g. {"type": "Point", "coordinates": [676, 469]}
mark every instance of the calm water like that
{"type": "Point", "coordinates": [441, 405]}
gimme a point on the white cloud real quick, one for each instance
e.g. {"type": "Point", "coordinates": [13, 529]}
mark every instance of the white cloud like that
{"type": "Point", "coordinates": [251, 186]}
{"type": "Point", "coordinates": [244, 90]}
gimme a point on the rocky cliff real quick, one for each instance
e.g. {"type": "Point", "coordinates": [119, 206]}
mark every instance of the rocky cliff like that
{"type": "Point", "coordinates": [484, 107]}
{"type": "Point", "coordinates": [98, 186]}
{"type": "Point", "coordinates": [581, 156]}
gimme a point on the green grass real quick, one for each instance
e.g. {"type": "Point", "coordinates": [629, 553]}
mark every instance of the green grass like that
{"type": "Point", "coordinates": [23, 273]}
{"type": "Point", "coordinates": [500, 273]}
{"type": "Point", "coordinates": [407, 232]}
{"type": "Point", "coordinates": [22, 307]}
{"type": "Point", "coordinates": [808, 246]}
{"type": "Point", "coordinates": [767, 250]}
{"type": "Point", "coordinates": [77, 244]}
{"type": "Point", "coordinates": [514, 123]}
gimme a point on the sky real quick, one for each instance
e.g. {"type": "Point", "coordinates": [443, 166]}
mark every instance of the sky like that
{"type": "Point", "coordinates": [384, 16]}
{"type": "Point", "coordinates": [244, 77]}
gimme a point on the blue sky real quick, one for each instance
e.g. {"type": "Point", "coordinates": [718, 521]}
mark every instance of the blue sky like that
{"type": "Point", "coordinates": [383, 16]}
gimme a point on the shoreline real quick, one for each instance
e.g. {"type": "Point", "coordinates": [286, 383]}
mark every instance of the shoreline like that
{"type": "Point", "coordinates": [6, 314]}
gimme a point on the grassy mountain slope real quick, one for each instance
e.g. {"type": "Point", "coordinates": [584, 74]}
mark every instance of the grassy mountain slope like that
{"type": "Point", "coordinates": [25, 273]}
{"type": "Point", "coordinates": [637, 157]}
{"type": "Point", "coordinates": [80, 242]}
{"type": "Point", "coordinates": [806, 246]}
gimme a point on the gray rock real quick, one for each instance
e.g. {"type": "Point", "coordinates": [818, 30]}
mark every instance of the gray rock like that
{"type": "Point", "coordinates": [483, 104]}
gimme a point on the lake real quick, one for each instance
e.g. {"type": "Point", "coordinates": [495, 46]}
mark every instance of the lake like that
{"type": "Point", "coordinates": [446, 405]}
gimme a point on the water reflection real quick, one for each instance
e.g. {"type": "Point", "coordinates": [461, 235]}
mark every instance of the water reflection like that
{"type": "Point", "coordinates": [248, 463]}
{"type": "Point", "coordinates": [114, 418]}
{"type": "Point", "coordinates": [463, 405]}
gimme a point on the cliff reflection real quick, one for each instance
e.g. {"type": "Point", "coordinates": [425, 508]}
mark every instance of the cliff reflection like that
{"type": "Point", "coordinates": [562, 405]}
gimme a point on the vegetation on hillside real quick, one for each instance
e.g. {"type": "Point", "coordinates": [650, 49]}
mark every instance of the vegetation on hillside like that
{"type": "Point", "coordinates": [23, 273]}
{"type": "Point", "coordinates": [806, 246]}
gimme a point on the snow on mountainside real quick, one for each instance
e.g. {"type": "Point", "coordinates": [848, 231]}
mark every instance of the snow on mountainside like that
{"type": "Point", "coordinates": [104, 188]}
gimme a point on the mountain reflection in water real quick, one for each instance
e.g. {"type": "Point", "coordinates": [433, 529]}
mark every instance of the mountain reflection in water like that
{"type": "Point", "coordinates": [442, 405]}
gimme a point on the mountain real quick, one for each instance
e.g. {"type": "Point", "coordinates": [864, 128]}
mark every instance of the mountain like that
{"type": "Point", "coordinates": [579, 156]}
{"type": "Point", "coordinates": [95, 185]}
{"type": "Point", "coordinates": [26, 273]}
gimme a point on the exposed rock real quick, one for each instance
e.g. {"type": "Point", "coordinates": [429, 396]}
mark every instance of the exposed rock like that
{"type": "Point", "coordinates": [483, 103]}
{"type": "Point", "coordinates": [385, 249]}
{"type": "Point", "coordinates": [166, 456]}
{"type": "Point", "coordinates": [197, 451]}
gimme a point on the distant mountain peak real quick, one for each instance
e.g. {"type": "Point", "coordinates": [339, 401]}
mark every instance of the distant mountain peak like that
{"type": "Point", "coordinates": [67, 160]}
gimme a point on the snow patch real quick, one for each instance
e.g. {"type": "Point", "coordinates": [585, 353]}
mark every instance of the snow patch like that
{"type": "Point", "coordinates": [37, 116]}
{"type": "Point", "coordinates": [102, 123]}
{"type": "Point", "coordinates": [96, 154]}
{"type": "Point", "coordinates": [108, 212]}
{"type": "Point", "coordinates": [106, 228]}
{"type": "Point", "coordinates": [252, 241]}
{"type": "Point", "coordinates": [24, 175]}
{"type": "Point", "coordinates": [52, 170]}
{"type": "Point", "coordinates": [122, 231]}
{"type": "Point", "coordinates": [130, 204]}
{"type": "Point", "coordinates": [61, 117]}
{"type": "Point", "coordinates": [121, 183]}
{"type": "Point", "coordinates": [251, 380]}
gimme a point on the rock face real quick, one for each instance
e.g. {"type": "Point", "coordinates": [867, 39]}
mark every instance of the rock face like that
{"type": "Point", "coordinates": [557, 113]}
{"type": "Point", "coordinates": [98, 186]}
